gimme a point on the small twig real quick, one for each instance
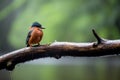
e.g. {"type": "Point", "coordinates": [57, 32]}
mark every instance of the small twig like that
{"type": "Point", "coordinates": [99, 39]}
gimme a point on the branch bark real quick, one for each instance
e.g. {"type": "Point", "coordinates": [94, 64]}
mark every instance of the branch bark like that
{"type": "Point", "coordinates": [58, 49]}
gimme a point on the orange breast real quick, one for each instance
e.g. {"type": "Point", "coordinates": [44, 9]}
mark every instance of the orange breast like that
{"type": "Point", "coordinates": [36, 36]}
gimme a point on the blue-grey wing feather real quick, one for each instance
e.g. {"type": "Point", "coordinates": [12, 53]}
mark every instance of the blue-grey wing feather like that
{"type": "Point", "coordinates": [28, 37]}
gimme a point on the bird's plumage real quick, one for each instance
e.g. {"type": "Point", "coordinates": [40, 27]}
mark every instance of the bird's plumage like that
{"type": "Point", "coordinates": [36, 24]}
{"type": "Point", "coordinates": [28, 37]}
{"type": "Point", "coordinates": [35, 34]}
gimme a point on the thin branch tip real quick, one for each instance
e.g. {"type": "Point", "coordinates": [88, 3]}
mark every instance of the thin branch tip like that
{"type": "Point", "coordinates": [99, 39]}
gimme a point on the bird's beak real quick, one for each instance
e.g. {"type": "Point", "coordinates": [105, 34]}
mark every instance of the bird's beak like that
{"type": "Point", "coordinates": [42, 27]}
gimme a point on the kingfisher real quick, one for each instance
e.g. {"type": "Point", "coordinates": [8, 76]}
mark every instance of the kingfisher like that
{"type": "Point", "coordinates": [35, 34]}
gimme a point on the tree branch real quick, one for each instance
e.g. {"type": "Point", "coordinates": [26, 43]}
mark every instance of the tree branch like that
{"type": "Point", "coordinates": [57, 49]}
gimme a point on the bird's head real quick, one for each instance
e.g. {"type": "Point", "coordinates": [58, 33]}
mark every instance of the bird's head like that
{"type": "Point", "coordinates": [36, 24]}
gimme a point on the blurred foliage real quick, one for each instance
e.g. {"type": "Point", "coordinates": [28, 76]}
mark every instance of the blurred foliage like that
{"type": "Point", "coordinates": [64, 20]}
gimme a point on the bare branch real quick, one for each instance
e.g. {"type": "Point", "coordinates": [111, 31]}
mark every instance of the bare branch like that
{"type": "Point", "coordinates": [59, 49]}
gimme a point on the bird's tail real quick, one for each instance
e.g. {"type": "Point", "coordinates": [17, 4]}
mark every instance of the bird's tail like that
{"type": "Point", "coordinates": [28, 45]}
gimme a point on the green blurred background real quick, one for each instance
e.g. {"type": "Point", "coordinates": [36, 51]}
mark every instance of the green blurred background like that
{"type": "Point", "coordinates": [64, 20]}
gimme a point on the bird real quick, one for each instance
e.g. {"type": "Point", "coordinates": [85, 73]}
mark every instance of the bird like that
{"type": "Point", "coordinates": [35, 34]}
